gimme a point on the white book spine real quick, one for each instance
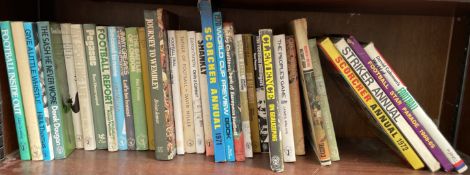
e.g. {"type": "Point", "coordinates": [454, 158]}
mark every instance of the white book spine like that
{"type": "Point", "coordinates": [196, 92]}
{"type": "Point", "coordinates": [386, 103]}
{"type": "Point", "coordinates": [240, 57]}
{"type": "Point", "coordinates": [206, 117]}
{"type": "Point", "coordinates": [283, 100]}
{"type": "Point", "coordinates": [175, 85]}
{"type": "Point", "coordinates": [83, 87]}
{"type": "Point", "coordinates": [417, 110]}
{"type": "Point", "coordinates": [72, 82]}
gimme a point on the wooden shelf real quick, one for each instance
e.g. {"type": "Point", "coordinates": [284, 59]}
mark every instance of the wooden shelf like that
{"type": "Point", "coordinates": [358, 156]}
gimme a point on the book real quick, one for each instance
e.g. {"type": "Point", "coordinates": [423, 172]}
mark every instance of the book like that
{"type": "Point", "coordinates": [224, 86]}
{"type": "Point", "coordinates": [135, 74]}
{"type": "Point", "coordinates": [284, 111]}
{"type": "Point", "coordinates": [247, 40]}
{"type": "Point", "coordinates": [40, 99]}
{"type": "Point", "coordinates": [96, 88]}
{"type": "Point", "coordinates": [24, 74]}
{"type": "Point", "coordinates": [106, 81]}
{"type": "Point", "coordinates": [270, 67]}
{"type": "Point", "coordinates": [196, 92]}
{"type": "Point", "coordinates": [316, 122]}
{"type": "Point", "coordinates": [206, 114]}
{"type": "Point", "coordinates": [234, 91]}
{"type": "Point", "coordinates": [261, 97]}
{"type": "Point", "coordinates": [213, 81]}
{"type": "Point", "coordinates": [176, 92]}
{"type": "Point", "coordinates": [294, 91]}
{"type": "Point", "coordinates": [146, 85]}
{"type": "Point", "coordinates": [72, 83]}
{"type": "Point", "coordinates": [354, 59]}
{"type": "Point", "coordinates": [165, 128]}
{"type": "Point", "coordinates": [15, 90]}
{"type": "Point", "coordinates": [373, 107]}
{"type": "Point", "coordinates": [126, 88]}
{"type": "Point", "coordinates": [83, 87]}
{"type": "Point", "coordinates": [58, 99]}
{"type": "Point", "coordinates": [244, 109]}
{"type": "Point", "coordinates": [421, 121]}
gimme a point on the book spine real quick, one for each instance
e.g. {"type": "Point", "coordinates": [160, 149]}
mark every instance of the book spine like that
{"type": "Point", "coordinates": [206, 117]}
{"type": "Point", "coordinates": [224, 86]}
{"type": "Point", "coordinates": [175, 85]}
{"type": "Point", "coordinates": [166, 129]}
{"type": "Point", "coordinates": [269, 66]}
{"type": "Point", "coordinates": [96, 88]}
{"type": "Point", "coordinates": [83, 88]}
{"type": "Point", "coordinates": [311, 96]}
{"type": "Point", "coordinates": [196, 92]}
{"type": "Point", "coordinates": [135, 74]}
{"type": "Point", "coordinates": [245, 113]}
{"type": "Point", "coordinates": [420, 121]}
{"type": "Point", "coordinates": [213, 81]}
{"type": "Point", "coordinates": [354, 59]}
{"type": "Point", "coordinates": [146, 85]}
{"type": "Point", "coordinates": [247, 40]}
{"type": "Point", "coordinates": [234, 91]}
{"type": "Point", "coordinates": [72, 82]}
{"type": "Point", "coordinates": [64, 101]}
{"type": "Point", "coordinates": [38, 85]}
{"type": "Point", "coordinates": [294, 91]}
{"type": "Point", "coordinates": [106, 81]}
{"type": "Point", "coordinates": [15, 90]}
{"type": "Point", "coordinates": [126, 88]}
{"type": "Point", "coordinates": [261, 98]}
{"type": "Point", "coordinates": [372, 106]}
{"type": "Point", "coordinates": [284, 111]}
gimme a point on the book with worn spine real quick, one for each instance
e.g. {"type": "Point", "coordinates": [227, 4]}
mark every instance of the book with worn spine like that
{"type": "Point", "coordinates": [136, 87]}
{"type": "Point", "coordinates": [261, 97]}
{"type": "Point", "coordinates": [294, 91]}
{"type": "Point", "coordinates": [95, 85]}
{"type": "Point", "coordinates": [107, 91]}
{"type": "Point", "coordinates": [72, 82]}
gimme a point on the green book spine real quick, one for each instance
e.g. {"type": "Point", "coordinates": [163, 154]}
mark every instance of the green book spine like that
{"type": "Point", "coordinates": [15, 90]}
{"type": "Point", "coordinates": [138, 104]}
{"type": "Point", "coordinates": [96, 89]}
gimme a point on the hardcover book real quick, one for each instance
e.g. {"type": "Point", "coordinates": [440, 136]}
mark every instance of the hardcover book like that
{"type": "Point", "coordinates": [261, 98]}
{"type": "Point", "coordinates": [72, 82]}
{"type": "Point", "coordinates": [95, 85]}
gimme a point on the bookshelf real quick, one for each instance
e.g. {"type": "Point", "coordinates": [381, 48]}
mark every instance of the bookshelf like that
{"type": "Point", "coordinates": [424, 41]}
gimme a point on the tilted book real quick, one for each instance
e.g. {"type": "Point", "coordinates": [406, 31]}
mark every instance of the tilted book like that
{"type": "Point", "coordinates": [409, 108]}
{"type": "Point", "coordinates": [24, 74]}
{"type": "Point", "coordinates": [107, 93]}
{"type": "Point", "coordinates": [270, 79]}
{"type": "Point", "coordinates": [234, 91]}
{"type": "Point", "coordinates": [39, 89]}
{"type": "Point", "coordinates": [244, 109]}
{"type": "Point", "coordinates": [58, 99]}
{"type": "Point", "coordinates": [95, 84]}
{"type": "Point", "coordinates": [72, 82]}
{"type": "Point", "coordinates": [15, 90]}
{"type": "Point", "coordinates": [315, 119]}
{"type": "Point", "coordinates": [294, 91]}
{"type": "Point", "coordinates": [224, 101]}
{"type": "Point", "coordinates": [354, 59]}
{"type": "Point", "coordinates": [137, 94]}
{"type": "Point", "coordinates": [261, 97]}
{"type": "Point", "coordinates": [283, 97]}
{"type": "Point", "coordinates": [373, 107]}
{"type": "Point", "coordinates": [213, 81]}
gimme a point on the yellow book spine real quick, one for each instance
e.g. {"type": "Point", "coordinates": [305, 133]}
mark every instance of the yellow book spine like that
{"type": "Point", "coordinates": [374, 108]}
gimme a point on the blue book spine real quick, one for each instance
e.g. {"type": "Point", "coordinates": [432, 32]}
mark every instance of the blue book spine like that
{"type": "Point", "coordinates": [224, 92]}
{"type": "Point", "coordinates": [15, 90]}
{"type": "Point", "coordinates": [118, 95]}
{"type": "Point", "coordinates": [37, 78]}
{"type": "Point", "coordinates": [213, 87]}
